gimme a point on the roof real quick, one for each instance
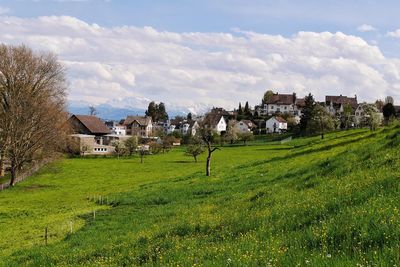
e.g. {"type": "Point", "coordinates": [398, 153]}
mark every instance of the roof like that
{"type": "Point", "coordinates": [142, 120]}
{"type": "Point", "coordinates": [249, 123]}
{"type": "Point", "coordinates": [213, 119]}
{"type": "Point", "coordinates": [93, 124]}
{"type": "Point", "coordinates": [341, 100]}
{"type": "Point", "coordinates": [281, 99]}
{"type": "Point", "coordinates": [279, 119]}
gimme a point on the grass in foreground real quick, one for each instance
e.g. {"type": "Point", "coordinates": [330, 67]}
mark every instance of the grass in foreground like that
{"type": "Point", "coordinates": [332, 202]}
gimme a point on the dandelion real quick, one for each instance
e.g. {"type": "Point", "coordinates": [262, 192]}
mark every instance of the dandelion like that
{"type": "Point", "coordinates": [329, 256]}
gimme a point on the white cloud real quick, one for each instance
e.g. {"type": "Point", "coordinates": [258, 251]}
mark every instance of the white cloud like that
{"type": "Point", "coordinates": [128, 64]}
{"type": "Point", "coordinates": [4, 10]}
{"type": "Point", "coordinates": [394, 34]}
{"type": "Point", "coordinates": [365, 28]}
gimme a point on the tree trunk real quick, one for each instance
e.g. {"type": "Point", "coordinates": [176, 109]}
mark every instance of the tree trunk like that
{"type": "Point", "coordinates": [208, 166]}
{"type": "Point", "coordinates": [13, 174]}
{"type": "Point", "coordinates": [2, 171]}
{"type": "Point", "coordinates": [322, 135]}
{"type": "Point", "coordinates": [195, 159]}
{"type": "Point", "coordinates": [141, 158]}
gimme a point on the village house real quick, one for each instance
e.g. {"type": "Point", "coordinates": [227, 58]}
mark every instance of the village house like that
{"type": "Point", "coordinates": [244, 126]}
{"type": "Point", "coordinates": [216, 122]}
{"type": "Point", "coordinates": [335, 104]}
{"type": "Point", "coordinates": [284, 104]}
{"type": "Point", "coordinates": [360, 113]}
{"type": "Point", "coordinates": [141, 126]}
{"type": "Point", "coordinates": [89, 125]}
{"type": "Point", "coordinates": [276, 125]}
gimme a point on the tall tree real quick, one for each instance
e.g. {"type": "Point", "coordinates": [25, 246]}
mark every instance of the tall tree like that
{"type": "Point", "coordinates": [152, 110]}
{"type": "Point", "coordinates": [307, 112]}
{"type": "Point", "coordinates": [189, 116]}
{"type": "Point", "coordinates": [388, 111]}
{"type": "Point", "coordinates": [247, 110]}
{"type": "Point", "coordinates": [389, 99]}
{"type": "Point", "coordinates": [347, 117]}
{"type": "Point", "coordinates": [162, 113]}
{"type": "Point", "coordinates": [240, 110]}
{"type": "Point", "coordinates": [32, 105]}
{"type": "Point", "coordinates": [372, 119]}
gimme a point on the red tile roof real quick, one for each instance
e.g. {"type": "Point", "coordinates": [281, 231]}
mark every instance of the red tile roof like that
{"type": "Point", "coordinates": [93, 124]}
{"type": "Point", "coordinates": [281, 99]}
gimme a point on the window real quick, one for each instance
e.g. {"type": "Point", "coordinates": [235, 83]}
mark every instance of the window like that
{"type": "Point", "coordinates": [272, 107]}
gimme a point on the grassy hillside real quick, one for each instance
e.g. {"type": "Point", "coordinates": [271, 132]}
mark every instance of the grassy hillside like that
{"type": "Point", "coordinates": [332, 202]}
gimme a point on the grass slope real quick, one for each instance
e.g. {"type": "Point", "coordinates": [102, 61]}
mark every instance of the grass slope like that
{"type": "Point", "coordinates": [332, 202]}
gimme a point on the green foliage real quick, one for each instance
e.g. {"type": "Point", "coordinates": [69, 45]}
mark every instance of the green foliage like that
{"type": "Point", "coordinates": [266, 96]}
{"type": "Point", "coordinates": [307, 113]}
{"type": "Point", "coordinates": [131, 145]}
{"type": "Point", "coordinates": [157, 112]}
{"type": "Point", "coordinates": [309, 202]}
{"type": "Point", "coordinates": [321, 121]}
{"type": "Point", "coordinates": [388, 111]}
{"type": "Point", "coordinates": [245, 137]}
{"type": "Point", "coordinates": [194, 149]}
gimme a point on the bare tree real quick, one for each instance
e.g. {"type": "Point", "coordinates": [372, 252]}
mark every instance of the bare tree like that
{"type": "Point", "coordinates": [32, 110]}
{"type": "Point", "coordinates": [92, 111]}
{"type": "Point", "coordinates": [208, 136]}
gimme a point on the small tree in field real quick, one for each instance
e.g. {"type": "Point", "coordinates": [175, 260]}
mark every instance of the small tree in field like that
{"type": "Point", "coordinates": [131, 144]}
{"type": "Point", "coordinates": [195, 148]}
{"type": "Point", "coordinates": [372, 119]}
{"type": "Point", "coordinates": [321, 121]}
{"type": "Point", "coordinates": [245, 137]}
{"type": "Point", "coordinates": [119, 148]}
{"type": "Point", "coordinates": [207, 135]}
{"type": "Point", "coordinates": [231, 134]}
{"type": "Point", "coordinates": [389, 112]}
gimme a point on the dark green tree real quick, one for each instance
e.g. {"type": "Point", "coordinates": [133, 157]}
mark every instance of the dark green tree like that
{"type": "Point", "coordinates": [189, 116]}
{"type": "Point", "coordinates": [162, 113]}
{"type": "Point", "coordinates": [388, 111]}
{"type": "Point", "coordinates": [240, 110]}
{"type": "Point", "coordinates": [152, 110]}
{"type": "Point", "coordinates": [307, 113]}
{"type": "Point", "coordinates": [266, 96]}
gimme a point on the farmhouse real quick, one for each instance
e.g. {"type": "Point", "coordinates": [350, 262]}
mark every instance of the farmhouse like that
{"type": "Point", "coordinates": [89, 125]}
{"type": "Point", "coordinates": [276, 125]}
{"type": "Point", "coordinates": [88, 145]}
{"type": "Point", "coordinates": [335, 104]}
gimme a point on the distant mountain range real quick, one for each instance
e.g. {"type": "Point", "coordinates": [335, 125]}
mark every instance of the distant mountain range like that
{"type": "Point", "coordinates": [118, 109]}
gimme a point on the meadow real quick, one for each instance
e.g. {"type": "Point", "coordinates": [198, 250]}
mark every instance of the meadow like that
{"type": "Point", "coordinates": [308, 202]}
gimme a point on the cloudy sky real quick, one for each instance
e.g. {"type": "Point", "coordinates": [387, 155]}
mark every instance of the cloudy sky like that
{"type": "Point", "coordinates": [212, 52]}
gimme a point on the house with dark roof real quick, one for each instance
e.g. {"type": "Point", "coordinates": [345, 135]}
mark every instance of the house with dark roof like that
{"type": "Point", "coordinates": [87, 124]}
{"type": "Point", "coordinates": [335, 104]}
{"type": "Point", "coordinates": [284, 104]}
{"type": "Point", "coordinates": [141, 126]}
{"type": "Point", "coordinates": [276, 125]}
{"type": "Point", "coordinates": [244, 126]}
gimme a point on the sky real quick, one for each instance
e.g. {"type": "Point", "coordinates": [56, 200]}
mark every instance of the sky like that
{"type": "Point", "coordinates": [198, 54]}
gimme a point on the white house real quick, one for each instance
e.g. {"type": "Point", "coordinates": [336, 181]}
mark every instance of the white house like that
{"type": "Point", "coordinates": [118, 130]}
{"type": "Point", "coordinates": [217, 122]}
{"type": "Point", "coordinates": [284, 104]}
{"type": "Point", "coordinates": [276, 125]}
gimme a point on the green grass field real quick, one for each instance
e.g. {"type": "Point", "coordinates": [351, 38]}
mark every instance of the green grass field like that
{"type": "Point", "coordinates": [309, 202]}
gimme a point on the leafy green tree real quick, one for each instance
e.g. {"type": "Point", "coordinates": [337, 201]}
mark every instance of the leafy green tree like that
{"type": "Point", "coordinates": [321, 121]}
{"type": "Point", "coordinates": [195, 148]}
{"type": "Point", "coordinates": [247, 110]}
{"type": "Point", "coordinates": [372, 119]}
{"type": "Point", "coordinates": [152, 110]}
{"type": "Point", "coordinates": [131, 144]}
{"type": "Point", "coordinates": [245, 137]}
{"type": "Point", "coordinates": [119, 148]}
{"type": "Point", "coordinates": [266, 97]}
{"type": "Point", "coordinates": [389, 111]}
{"type": "Point", "coordinates": [307, 113]}
{"type": "Point", "coordinates": [231, 134]}
{"type": "Point", "coordinates": [347, 117]}
{"type": "Point", "coordinates": [162, 113]}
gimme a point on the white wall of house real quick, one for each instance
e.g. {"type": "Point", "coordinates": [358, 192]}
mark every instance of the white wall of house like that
{"type": "Point", "coordinates": [118, 130]}
{"type": "Point", "coordinates": [273, 125]}
{"type": "Point", "coordinates": [221, 126]}
{"type": "Point", "coordinates": [270, 109]}
{"type": "Point", "coordinates": [242, 127]}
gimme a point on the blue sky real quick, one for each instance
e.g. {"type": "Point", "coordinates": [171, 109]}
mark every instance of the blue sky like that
{"type": "Point", "coordinates": [245, 33]}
